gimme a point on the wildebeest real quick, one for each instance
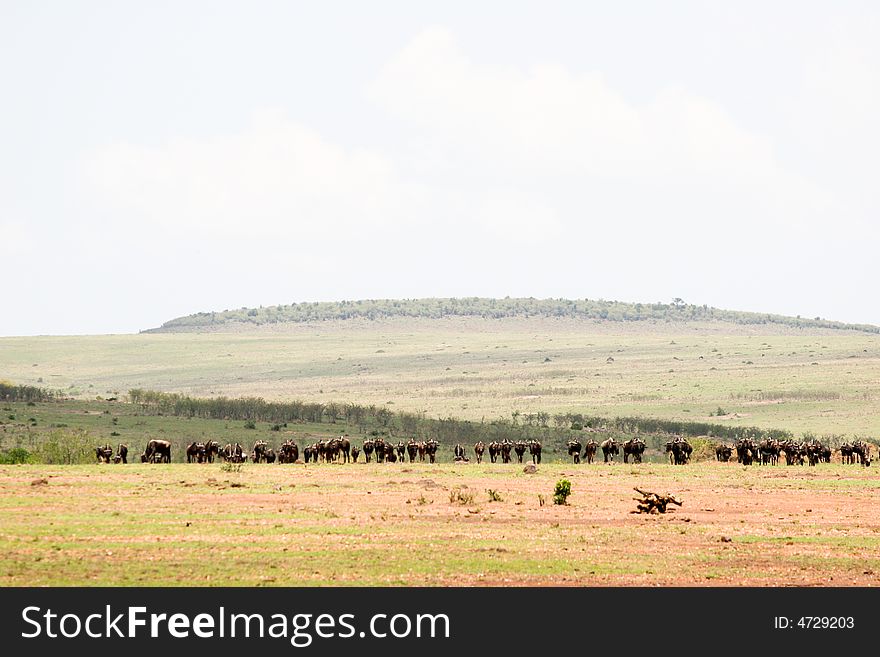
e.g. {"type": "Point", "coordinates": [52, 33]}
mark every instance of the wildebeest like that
{"type": "Point", "coordinates": [862, 452]}
{"type": "Point", "coordinates": [195, 452]}
{"type": "Point", "coordinates": [610, 449]}
{"type": "Point", "coordinates": [412, 449]}
{"type": "Point", "coordinates": [288, 452]}
{"type": "Point", "coordinates": [401, 451]}
{"type": "Point", "coordinates": [212, 450]}
{"type": "Point", "coordinates": [355, 452]}
{"type": "Point", "coordinates": [369, 446]}
{"type": "Point", "coordinates": [157, 451]}
{"type": "Point", "coordinates": [233, 453]}
{"type": "Point", "coordinates": [121, 454]}
{"type": "Point", "coordinates": [746, 450]}
{"type": "Point", "coordinates": [535, 450]}
{"type": "Point", "coordinates": [590, 450]}
{"type": "Point", "coordinates": [506, 447]}
{"type": "Point", "coordinates": [520, 448]}
{"type": "Point", "coordinates": [574, 449]}
{"type": "Point", "coordinates": [633, 447]}
{"type": "Point", "coordinates": [104, 454]}
{"type": "Point", "coordinates": [479, 448]}
{"type": "Point", "coordinates": [723, 452]}
{"type": "Point", "coordinates": [679, 450]}
{"type": "Point", "coordinates": [258, 453]}
{"type": "Point", "coordinates": [494, 450]}
{"type": "Point", "coordinates": [431, 446]}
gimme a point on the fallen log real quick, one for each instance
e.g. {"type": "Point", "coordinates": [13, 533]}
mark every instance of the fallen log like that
{"type": "Point", "coordinates": [653, 502]}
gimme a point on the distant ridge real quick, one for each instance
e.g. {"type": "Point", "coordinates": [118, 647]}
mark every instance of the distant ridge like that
{"type": "Point", "coordinates": [373, 309]}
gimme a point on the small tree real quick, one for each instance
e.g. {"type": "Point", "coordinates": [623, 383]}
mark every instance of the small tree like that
{"type": "Point", "coordinates": [562, 491]}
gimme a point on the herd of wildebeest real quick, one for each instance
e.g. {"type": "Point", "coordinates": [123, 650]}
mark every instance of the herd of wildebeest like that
{"type": "Point", "coordinates": [747, 450]}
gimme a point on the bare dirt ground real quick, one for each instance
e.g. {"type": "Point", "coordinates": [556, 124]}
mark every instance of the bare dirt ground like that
{"type": "Point", "coordinates": [397, 525]}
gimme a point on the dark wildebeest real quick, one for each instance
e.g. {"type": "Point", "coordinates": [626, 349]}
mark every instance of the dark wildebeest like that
{"type": "Point", "coordinates": [195, 453]}
{"type": "Point", "coordinates": [401, 451]}
{"type": "Point", "coordinates": [574, 450]}
{"type": "Point", "coordinates": [610, 449]}
{"type": "Point", "coordinates": [634, 447]}
{"type": "Point", "coordinates": [746, 450]}
{"type": "Point", "coordinates": [412, 449]}
{"type": "Point", "coordinates": [422, 449]}
{"type": "Point", "coordinates": [212, 450]}
{"type": "Point", "coordinates": [862, 452]}
{"type": "Point", "coordinates": [679, 450]}
{"type": "Point", "coordinates": [233, 453]}
{"type": "Point", "coordinates": [258, 454]}
{"type": "Point", "coordinates": [479, 448]}
{"type": "Point", "coordinates": [590, 450]}
{"type": "Point", "coordinates": [535, 451]}
{"type": "Point", "coordinates": [506, 447]}
{"type": "Point", "coordinates": [520, 448]}
{"type": "Point", "coordinates": [723, 452]}
{"type": "Point", "coordinates": [379, 447]}
{"type": "Point", "coordinates": [458, 451]}
{"type": "Point", "coordinates": [369, 445]}
{"type": "Point", "coordinates": [157, 451]}
{"type": "Point", "coordinates": [104, 454]}
{"type": "Point", "coordinates": [494, 450]}
{"type": "Point", "coordinates": [431, 446]}
{"type": "Point", "coordinates": [121, 454]}
{"type": "Point", "coordinates": [288, 452]}
{"type": "Point", "coordinates": [355, 452]}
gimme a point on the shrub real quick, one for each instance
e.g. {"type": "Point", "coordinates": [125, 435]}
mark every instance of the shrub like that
{"type": "Point", "coordinates": [66, 447]}
{"type": "Point", "coordinates": [562, 491]}
{"type": "Point", "coordinates": [494, 495]}
{"type": "Point", "coordinates": [15, 455]}
{"type": "Point", "coordinates": [250, 424]}
{"type": "Point", "coordinates": [457, 495]}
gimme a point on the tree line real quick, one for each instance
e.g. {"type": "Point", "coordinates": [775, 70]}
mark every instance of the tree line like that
{"type": "Point", "coordinates": [376, 420]}
{"type": "Point", "coordinates": [375, 309]}
{"type": "Point", "coordinates": [16, 393]}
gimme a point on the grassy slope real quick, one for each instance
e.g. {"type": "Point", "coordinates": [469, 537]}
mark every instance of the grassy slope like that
{"type": "Point", "coordinates": [804, 380]}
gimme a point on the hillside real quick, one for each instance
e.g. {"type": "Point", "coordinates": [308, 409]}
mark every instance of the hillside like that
{"type": "Point", "coordinates": [585, 309]}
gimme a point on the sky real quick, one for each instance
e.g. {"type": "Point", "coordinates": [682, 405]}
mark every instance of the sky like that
{"type": "Point", "coordinates": [164, 158]}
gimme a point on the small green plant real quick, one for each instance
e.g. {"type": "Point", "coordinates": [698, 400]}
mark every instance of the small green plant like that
{"type": "Point", "coordinates": [231, 467]}
{"type": "Point", "coordinates": [250, 424]}
{"type": "Point", "coordinates": [458, 496]}
{"type": "Point", "coordinates": [422, 501]}
{"type": "Point", "coordinates": [562, 491]}
{"type": "Point", "coordinates": [494, 495]}
{"type": "Point", "coordinates": [720, 412]}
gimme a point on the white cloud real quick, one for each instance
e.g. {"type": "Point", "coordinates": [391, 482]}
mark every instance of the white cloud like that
{"type": "Point", "coordinates": [275, 179]}
{"type": "Point", "coordinates": [546, 123]}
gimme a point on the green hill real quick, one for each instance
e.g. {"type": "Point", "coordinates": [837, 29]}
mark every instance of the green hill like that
{"type": "Point", "coordinates": [375, 309]}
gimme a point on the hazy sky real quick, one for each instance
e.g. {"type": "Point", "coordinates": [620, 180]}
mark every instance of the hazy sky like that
{"type": "Point", "coordinates": [163, 158]}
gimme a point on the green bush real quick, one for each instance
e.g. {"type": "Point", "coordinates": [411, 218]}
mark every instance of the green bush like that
{"type": "Point", "coordinates": [562, 491]}
{"type": "Point", "coordinates": [15, 455]}
{"type": "Point", "coordinates": [66, 447]}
